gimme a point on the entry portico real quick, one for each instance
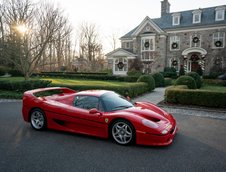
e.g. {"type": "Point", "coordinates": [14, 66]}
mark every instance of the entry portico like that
{"type": "Point", "coordinates": [120, 58]}
{"type": "Point", "coordinates": [194, 57]}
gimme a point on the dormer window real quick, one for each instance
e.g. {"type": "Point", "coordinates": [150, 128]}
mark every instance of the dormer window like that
{"type": "Point", "coordinates": [197, 16]}
{"type": "Point", "coordinates": [176, 19]}
{"type": "Point", "coordinates": [220, 12]}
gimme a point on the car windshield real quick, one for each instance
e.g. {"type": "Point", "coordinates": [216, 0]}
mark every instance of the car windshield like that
{"type": "Point", "coordinates": [112, 101]}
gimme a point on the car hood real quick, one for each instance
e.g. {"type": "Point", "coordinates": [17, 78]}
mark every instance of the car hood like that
{"type": "Point", "coordinates": [148, 114]}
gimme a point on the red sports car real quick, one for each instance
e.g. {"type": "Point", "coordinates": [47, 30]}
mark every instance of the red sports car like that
{"type": "Point", "coordinates": [99, 113]}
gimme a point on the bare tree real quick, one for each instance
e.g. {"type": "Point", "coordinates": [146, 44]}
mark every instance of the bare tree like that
{"type": "Point", "coordinates": [28, 30]}
{"type": "Point", "coordinates": [113, 39]}
{"type": "Point", "coordinates": [89, 43]}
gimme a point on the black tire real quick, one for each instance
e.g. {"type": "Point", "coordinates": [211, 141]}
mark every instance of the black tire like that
{"type": "Point", "coordinates": [38, 119]}
{"type": "Point", "coordinates": [122, 132]}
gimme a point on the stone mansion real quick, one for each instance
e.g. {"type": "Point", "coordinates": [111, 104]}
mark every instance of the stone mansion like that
{"type": "Point", "coordinates": [191, 39]}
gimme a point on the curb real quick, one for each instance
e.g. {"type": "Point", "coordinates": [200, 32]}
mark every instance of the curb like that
{"type": "Point", "coordinates": [10, 100]}
{"type": "Point", "coordinates": [198, 108]}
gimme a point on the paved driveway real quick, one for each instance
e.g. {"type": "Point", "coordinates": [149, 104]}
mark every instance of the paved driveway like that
{"type": "Point", "coordinates": [200, 145]}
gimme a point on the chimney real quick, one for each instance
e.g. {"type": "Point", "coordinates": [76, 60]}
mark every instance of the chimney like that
{"type": "Point", "coordinates": [165, 7]}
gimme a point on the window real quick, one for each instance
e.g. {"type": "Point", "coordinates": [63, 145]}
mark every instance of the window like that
{"type": "Point", "coordinates": [113, 101]}
{"type": "Point", "coordinates": [218, 40]}
{"type": "Point", "coordinates": [147, 44]}
{"type": "Point", "coordinates": [176, 19]}
{"type": "Point", "coordinates": [127, 45]}
{"type": "Point", "coordinates": [86, 102]}
{"type": "Point", "coordinates": [197, 16]}
{"type": "Point", "coordinates": [175, 62]}
{"type": "Point", "coordinates": [195, 40]}
{"type": "Point", "coordinates": [220, 12]}
{"type": "Point", "coordinates": [174, 43]}
{"type": "Point", "coordinates": [121, 64]}
{"type": "Point", "coordinates": [147, 48]}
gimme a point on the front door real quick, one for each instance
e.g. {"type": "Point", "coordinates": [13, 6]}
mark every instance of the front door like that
{"type": "Point", "coordinates": [194, 62]}
{"type": "Point", "coordinates": [194, 66]}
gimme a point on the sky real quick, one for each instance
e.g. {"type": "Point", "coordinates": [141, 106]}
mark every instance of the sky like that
{"type": "Point", "coordinates": [117, 17]}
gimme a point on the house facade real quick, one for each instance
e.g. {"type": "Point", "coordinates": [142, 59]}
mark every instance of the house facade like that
{"type": "Point", "coordinates": [193, 39]}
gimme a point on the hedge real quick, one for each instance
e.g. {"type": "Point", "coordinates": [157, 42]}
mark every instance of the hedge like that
{"type": "Point", "coordinates": [13, 72]}
{"type": "Point", "coordinates": [10, 94]}
{"type": "Point", "coordinates": [186, 80]}
{"type": "Point", "coordinates": [131, 91]}
{"type": "Point", "coordinates": [21, 86]}
{"type": "Point", "coordinates": [184, 96]}
{"type": "Point", "coordinates": [168, 81]}
{"type": "Point", "coordinates": [196, 77]}
{"type": "Point", "coordinates": [149, 80]}
{"type": "Point", "coordinates": [159, 79]}
{"type": "Point", "coordinates": [89, 76]}
{"type": "Point", "coordinates": [169, 72]}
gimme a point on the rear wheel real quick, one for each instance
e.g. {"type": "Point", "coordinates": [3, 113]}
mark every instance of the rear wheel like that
{"type": "Point", "coordinates": [38, 119]}
{"type": "Point", "coordinates": [123, 132]}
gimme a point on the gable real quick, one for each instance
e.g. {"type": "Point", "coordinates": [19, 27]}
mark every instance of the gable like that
{"type": "Point", "coordinates": [147, 25]}
{"type": "Point", "coordinates": [142, 28]}
{"type": "Point", "coordinates": [120, 52]}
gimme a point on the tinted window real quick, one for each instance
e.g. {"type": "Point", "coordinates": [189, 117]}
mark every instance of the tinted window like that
{"type": "Point", "coordinates": [86, 102]}
{"type": "Point", "coordinates": [113, 101]}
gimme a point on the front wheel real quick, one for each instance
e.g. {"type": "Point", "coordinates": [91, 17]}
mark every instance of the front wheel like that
{"type": "Point", "coordinates": [38, 119]}
{"type": "Point", "coordinates": [123, 132]}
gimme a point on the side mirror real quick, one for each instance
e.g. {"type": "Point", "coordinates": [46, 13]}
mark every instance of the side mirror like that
{"type": "Point", "coordinates": [94, 111]}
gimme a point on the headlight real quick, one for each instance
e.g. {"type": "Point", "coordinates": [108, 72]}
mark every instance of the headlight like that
{"type": "Point", "coordinates": [164, 132]}
{"type": "Point", "coordinates": [149, 123]}
{"type": "Point", "coordinates": [167, 129]}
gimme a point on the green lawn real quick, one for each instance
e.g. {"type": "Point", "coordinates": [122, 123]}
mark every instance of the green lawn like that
{"type": "Point", "coordinates": [73, 81]}
{"type": "Point", "coordinates": [87, 82]}
{"type": "Point", "coordinates": [131, 89]}
{"type": "Point", "coordinates": [214, 88]}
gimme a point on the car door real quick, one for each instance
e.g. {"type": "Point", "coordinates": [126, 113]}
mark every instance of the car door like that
{"type": "Point", "coordinates": [86, 123]}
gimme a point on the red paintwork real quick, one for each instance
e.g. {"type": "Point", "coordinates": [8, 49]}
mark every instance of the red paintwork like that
{"type": "Point", "coordinates": [60, 108]}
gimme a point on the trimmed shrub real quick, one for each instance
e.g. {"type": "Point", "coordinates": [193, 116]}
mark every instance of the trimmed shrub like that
{"type": "Point", "coordinates": [131, 91]}
{"type": "Point", "coordinates": [168, 81]}
{"type": "Point", "coordinates": [196, 77]}
{"type": "Point", "coordinates": [199, 71]}
{"type": "Point", "coordinates": [3, 70]}
{"type": "Point", "coordinates": [159, 79]}
{"type": "Point", "coordinates": [195, 97]}
{"type": "Point", "coordinates": [11, 95]}
{"type": "Point", "coordinates": [22, 86]}
{"type": "Point", "coordinates": [15, 72]}
{"type": "Point", "coordinates": [134, 73]}
{"type": "Point", "coordinates": [149, 80]}
{"type": "Point", "coordinates": [169, 72]}
{"type": "Point", "coordinates": [186, 80]}
{"type": "Point", "coordinates": [181, 71]}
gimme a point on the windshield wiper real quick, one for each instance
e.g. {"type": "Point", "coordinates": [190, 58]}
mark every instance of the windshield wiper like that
{"type": "Point", "coordinates": [121, 107]}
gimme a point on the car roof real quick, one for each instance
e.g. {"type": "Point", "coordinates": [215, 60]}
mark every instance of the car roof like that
{"type": "Point", "coordinates": [96, 93]}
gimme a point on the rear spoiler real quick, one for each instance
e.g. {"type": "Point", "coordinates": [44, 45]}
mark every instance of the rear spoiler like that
{"type": "Point", "coordinates": [62, 89]}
